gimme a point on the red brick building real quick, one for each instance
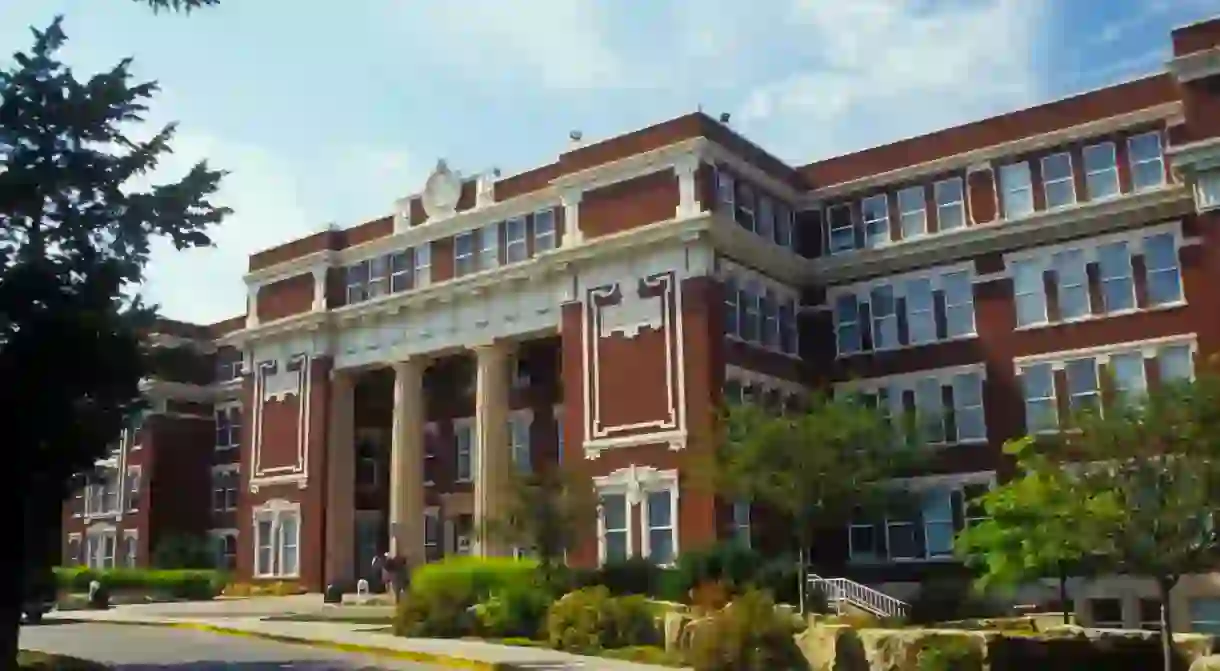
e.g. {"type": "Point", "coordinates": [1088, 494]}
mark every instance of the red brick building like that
{"type": "Point", "coordinates": [596, 310]}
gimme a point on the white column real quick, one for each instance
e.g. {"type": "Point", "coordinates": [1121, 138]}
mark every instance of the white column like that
{"type": "Point", "coordinates": [251, 305]}
{"type": "Point", "coordinates": [407, 462]}
{"type": "Point", "coordinates": [319, 289]}
{"type": "Point", "coordinates": [341, 481]}
{"type": "Point", "coordinates": [685, 169]}
{"type": "Point", "coordinates": [572, 234]}
{"type": "Point", "coordinates": [493, 463]}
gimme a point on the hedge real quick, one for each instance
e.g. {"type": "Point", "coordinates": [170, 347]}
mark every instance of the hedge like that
{"type": "Point", "coordinates": [173, 583]}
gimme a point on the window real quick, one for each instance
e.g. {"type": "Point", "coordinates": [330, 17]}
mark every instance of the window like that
{"type": "Point", "coordinates": [224, 490]}
{"type": "Point", "coordinates": [1127, 371]}
{"type": "Point", "coordinates": [912, 212]}
{"type": "Point", "coordinates": [228, 427]}
{"type": "Point", "coordinates": [847, 324]}
{"type": "Point", "coordinates": [78, 503]}
{"type": "Point", "coordinates": [379, 276]}
{"type": "Point", "coordinates": [725, 190]}
{"type": "Point", "coordinates": [357, 282]}
{"type": "Point", "coordinates": [938, 531]}
{"type": "Point", "coordinates": [1117, 283]}
{"type": "Point", "coordinates": [900, 537]}
{"type": "Point", "coordinates": [842, 236]}
{"type": "Point", "coordinates": [659, 513]}
{"type": "Point", "coordinates": [950, 204]}
{"type": "Point", "coordinates": [875, 211]}
{"type": "Point", "coordinates": [885, 318]}
{"type": "Point", "coordinates": [226, 551]}
{"type": "Point", "coordinates": [1084, 391]}
{"type": "Point", "coordinates": [1207, 190]}
{"type": "Point", "coordinates": [544, 230]}
{"type": "Point", "coordinates": [731, 323]}
{"type": "Point", "coordinates": [1147, 163]}
{"type": "Point", "coordinates": [463, 445]}
{"type": "Point", "coordinates": [463, 254]}
{"type": "Point", "coordinates": [422, 256]}
{"type": "Point", "coordinates": [559, 432]}
{"type": "Point", "coordinates": [921, 313]}
{"type": "Point", "coordinates": [769, 307]}
{"type": "Point", "coordinates": [745, 205]}
{"type": "Point", "coordinates": [1150, 614]}
{"type": "Point", "coordinates": [1100, 171]}
{"type": "Point", "coordinates": [1038, 385]}
{"type": "Point", "coordinates": [519, 441]}
{"type": "Point", "coordinates": [959, 304]}
{"type": "Point", "coordinates": [1175, 362]}
{"type": "Point", "coordinates": [277, 543]}
{"type": "Point", "coordinates": [862, 541]}
{"type": "Point", "coordinates": [968, 414]}
{"type": "Point", "coordinates": [131, 546]}
{"type": "Point", "coordinates": [1016, 190]}
{"type": "Point", "coordinates": [766, 217]}
{"type": "Point", "coordinates": [788, 328]}
{"type": "Point", "coordinates": [930, 410]}
{"type": "Point", "coordinates": [1072, 283]}
{"type": "Point", "coordinates": [432, 534]}
{"type": "Point", "coordinates": [1107, 613]}
{"type": "Point", "coordinates": [748, 302]}
{"type": "Point", "coordinates": [133, 488]}
{"type": "Point", "coordinates": [614, 527]}
{"type": "Point", "coordinates": [1057, 181]}
{"type": "Point", "coordinates": [400, 271]}
{"type": "Point", "coordinates": [489, 246]}
{"type": "Point", "coordinates": [1029, 292]}
{"type": "Point", "coordinates": [783, 225]}
{"type": "Point", "coordinates": [108, 549]}
{"type": "Point", "coordinates": [741, 522]}
{"type": "Point", "coordinates": [515, 247]}
{"type": "Point", "coordinates": [288, 539]}
{"type": "Point", "coordinates": [73, 556]}
{"type": "Point", "coordinates": [1205, 616]}
{"type": "Point", "coordinates": [1164, 280]}
{"type": "Point", "coordinates": [972, 508]}
{"type": "Point", "coordinates": [368, 462]}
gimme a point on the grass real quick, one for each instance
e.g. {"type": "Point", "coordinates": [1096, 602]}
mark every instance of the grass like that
{"type": "Point", "coordinates": [346, 618]}
{"type": "Point", "coordinates": [28, 660]}
{"type": "Point", "coordinates": [640, 654]}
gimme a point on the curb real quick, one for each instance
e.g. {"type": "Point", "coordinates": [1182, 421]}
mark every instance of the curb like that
{"type": "Point", "coordinates": [449, 661]}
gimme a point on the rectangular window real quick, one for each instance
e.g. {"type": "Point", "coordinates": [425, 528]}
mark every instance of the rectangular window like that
{"type": "Point", "coordinates": [731, 322]}
{"type": "Point", "coordinates": [544, 230]}
{"type": "Point", "coordinates": [741, 522]}
{"type": "Point", "coordinates": [783, 225]}
{"type": "Point", "coordinates": [228, 427]}
{"type": "Point", "coordinates": [133, 488]}
{"type": "Point", "coordinates": [489, 246]}
{"type": "Point", "coordinates": [463, 446]}
{"type": "Point", "coordinates": [847, 325]}
{"type": "Point", "coordinates": [1205, 616]}
{"type": "Point", "coordinates": [1100, 171]}
{"type": "Point", "coordinates": [1072, 283]}
{"type": "Point", "coordinates": [660, 522]}
{"type": "Point", "coordinates": [400, 271]}
{"type": "Point", "coordinates": [885, 318]}
{"type": "Point", "coordinates": [912, 212]}
{"type": "Point", "coordinates": [108, 549]}
{"type": "Point", "coordinates": [516, 249]}
{"type": "Point", "coordinates": [766, 217]}
{"type": "Point", "coordinates": [1175, 362]}
{"type": "Point", "coordinates": [921, 312]}
{"type": "Point", "coordinates": [131, 545]}
{"type": "Point", "coordinates": [788, 328]}
{"type": "Point", "coordinates": [875, 212]}
{"type": "Point", "coordinates": [614, 527]}
{"type": "Point", "coordinates": [862, 541]}
{"type": "Point", "coordinates": [745, 205]}
{"type": "Point", "coordinates": [950, 204]}
{"type": "Point", "coordinates": [1038, 385]}
{"type": "Point", "coordinates": [930, 410]}
{"type": "Point", "coordinates": [902, 538]}
{"type": "Point", "coordinates": [464, 261]}
{"type": "Point", "coordinates": [1117, 283]}
{"type": "Point", "coordinates": [288, 541]}
{"type": "Point", "coordinates": [725, 189]}
{"type": "Point", "coordinates": [519, 442]}
{"type": "Point", "coordinates": [841, 229]}
{"type": "Point", "coordinates": [432, 534]}
{"type": "Point", "coordinates": [357, 282]}
{"type": "Point", "coordinates": [748, 299]}
{"type": "Point", "coordinates": [1127, 369]}
{"type": "Point", "coordinates": [423, 264]}
{"type": "Point", "coordinates": [379, 276]}
{"type": "Point", "coordinates": [1029, 292]}
{"type": "Point", "coordinates": [1147, 161]}
{"type": "Point", "coordinates": [968, 407]}
{"type": "Point", "coordinates": [1016, 190]}
{"type": "Point", "coordinates": [226, 551]}
{"type": "Point", "coordinates": [559, 433]}
{"type": "Point", "coordinates": [224, 490]}
{"type": "Point", "coordinates": [1057, 181]}
{"type": "Point", "coordinates": [959, 304]}
{"type": "Point", "coordinates": [937, 513]}
{"type": "Point", "coordinates": [1162, 272]}
{"type": "Point", "coordinates": [1084, 390]}
{"type": "Point", "coordinates": [769, 307]}
{"type": "Point", "coordinates": [264, 552]}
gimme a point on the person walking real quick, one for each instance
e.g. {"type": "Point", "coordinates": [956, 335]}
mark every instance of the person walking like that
{"type": "Point", "coordinates": [397, 577]}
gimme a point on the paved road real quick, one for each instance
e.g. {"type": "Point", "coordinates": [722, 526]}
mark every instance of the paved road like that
{"type": "Point", "coordinates": [131, 648]}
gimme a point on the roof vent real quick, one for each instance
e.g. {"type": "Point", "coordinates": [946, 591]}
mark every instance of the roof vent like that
{"type": "Point", "coordinates": [575, 136]}
{"type": "Point", "coordinates": [724, 118]}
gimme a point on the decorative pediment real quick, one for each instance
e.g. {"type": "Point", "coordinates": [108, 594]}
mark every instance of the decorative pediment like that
{"type": "Point", "coordinates": [633, 313]}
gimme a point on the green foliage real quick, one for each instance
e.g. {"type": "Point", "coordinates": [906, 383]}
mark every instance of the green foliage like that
{"type": "Point", "coordinates": [729, 563]}
{"type": "Point", "coordinates": [635, 575]}
{"type": "Point", "coordinates": [950, 653]}
{"type": "Point", "coordinates": [548, 511]}
{"type": "Point", "coordinates": [176, 584]}
{"type": "Point", "coordinates": [473, 579]}
{"type": "Point", "coordinates": [748, 635]}
{"type": "Point", "coordinates": [949, 599]}
{"type": "Point", "coordinates": [29, 660]}
{"type": "Point", "coordinates": [591, 619]}
{"type": "Point", "coordinates": [441, 612]}
{"type": "Point", "coordinates": [514, 611]}
{"type": "Point", "coordinates": [182, 551]}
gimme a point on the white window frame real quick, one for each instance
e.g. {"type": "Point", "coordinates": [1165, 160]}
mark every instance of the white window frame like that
{"type": "Point", "coordinates": [832, 229]}
{"type": "Point", "coordinates": [516, 247]}
{"type": "Point", "coordinates": [731, 307]}
{"type": "Point", "coordinates": [841, 324]}
{"type": "Point", "coordinates": [134, 488]}
{"type": "Point", "coordinates": [959, 382]}
{"type": "Point", "coordinates": [1175, 270]}
{"type": "Point", "coordinates": [908, 215]}
{"type": "Point", "coordinates": [967, 305]}
{"type": "Point", "coordinates": [226, 479]}
{"type": "Point", "coordinates": [930, 411]}
{"type": "Point", "coordinates": [768, 308]}
{"type": "Point", "coordinates": [749, 296]}
{"type": "Point", "coordinates": [521, 421]}
{"type": "Point", "coordinates": [958, 205]}
{"type": "Point", "coordinates": [222, 538]}
{"type": "Point", "coordinates": [487, 247]}
{"type": "Point", "coordinates": [670, 494]}
{"type": "Point", "coordinates": [764, 221]}
{"type": "Point", "coordinates": [401, 266]}
{"type": "Point", "coordinates": [356, 290]}
{"type": "Point", "coordinates": [74, 548]}
{"type": "Point", "coordinates": [1130, 393]}
{"type": "Point", "coordinates": [603, 531]}
{"type": "Point", "coordinates": [544, 231]}
{"type": "Point", "coordinates": [379, 276]}
{"type": "Point", "coordinates": [1133, 163]}
{"type": "Point", "coordinates": [1038, 291]}
{"type": "Point", "coordinates": [726, 190]}
{"type": "Point", "coordinates": [876, 238]}
{"type": "Point", "coordinates": [232, 433]}
{"type": "Point", "coordinates": [131, 547]}
{"type": "Point", "coordinates": [1125, 273]}
{"type": "Point", "coordinates": [783, 225]}
{"type": "Point", "coordinates": [884, 323]}
{"type": "Point", "coordinates": [747, 205]}
{"type": "Point", "coordinates": [463, 427]}
{"type": "Point", "coordinates": [276, 512]}
{"type": "Point", "coordinates": [1052, 400]}
{"type": "Point", "coordinates": [929, 522]}
{"type": "Point", "coordinates": [1022, 188]}
{"type": "Point", "coordinates": [1069, 180]}
{"type": "Point", "coordinates": [913, 314]}
{"type": "Point", "coordinates": [1161, 359]}
{"type": "Point", "coordinates": [1077, 261]}
{"type": "Point", "coordinates": [1109, 173]}
{"type": "Point", "coordinates": [635, 483]}
{"type": "Point", "coordinates": [421, 264]}
{"type": "Point", "coordinates": [466, 261]}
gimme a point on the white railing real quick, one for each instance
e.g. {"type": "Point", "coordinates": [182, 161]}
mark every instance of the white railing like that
{"type": "Point", "coordinates": [841, 591]}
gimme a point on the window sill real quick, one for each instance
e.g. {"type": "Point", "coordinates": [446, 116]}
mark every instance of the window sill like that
{"type": "Point", "coordinates": [226, 448]}
{"type": "Point", "coordinates": [1104, 315]}
{"type": "Point", "coordinates": [903, 348]}
{"type": "Point", "coordinates": [759, 346]}
{"type": "Point", "coordinates": [277, 576]}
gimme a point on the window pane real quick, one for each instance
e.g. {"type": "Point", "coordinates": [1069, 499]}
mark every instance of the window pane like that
{"type": "Point", "coordinates": [863, 540]}
{"type": "Point", "coordinates": [1030, 292]}
{"type": "Point", "coordinates": [1101, 173]}
{"type": "Point", "coordinates": [959, 304]}
{"type": "Point", "coordinates": [1128, 372]}
{"type": "Point", "coordinates": [1161, 263]}
{"type": "Point", "coordinates": [1082, 383]}
{"type": "Point", "coordinates": [616, 546]}
{"type": "Point", "coordinates": [921, 319]}
{"type": "Point", "coordinates": [661, 546]}
{"type": "Point", "coordinates": [1147, 166]}
{"type": "Point", "coordinates": [875, 213]}
{"type": "Point", "coordinates": [1017, 195]}
{"type": "Point", "coordinates": [885, 321]}
{"type": "Point", "coordinates": [614, 511]}
{"type": "Point", "coordinates": [911, 206]}
{"type": "Point", "coordinates": [1117, 286]}
{"type": "Point", "coordinates": [1057, 180]}
{"type": "Point", "coordinates": [1175, 363]}
{"type": "Point", "coordinates": [842, 230]}
{"type": "Point", "coordinates": [1073, 284]}
{"type": "Point", "coordinates": [659, 509]}
{"type": "Point", "coordinates": [950, 213]}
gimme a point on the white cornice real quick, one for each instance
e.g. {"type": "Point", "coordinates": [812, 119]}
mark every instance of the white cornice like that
{"type": "Point", "coordinates": [178, 391]}
{"type": "Point", "coordinates": [301, 265]}
{"type": "Point", "coordinates": [1171, 201]}
{"type": "Point", "coordinates": [1197, 65]}
{"type": "Point", "coordinates": [753, 251]}
{"type": "Point", "coordinates": [630, 167]}
{"type": "Point", "coordinates": [1195, 156]}
{"type": "Point", "coordinates": [1170, 112]}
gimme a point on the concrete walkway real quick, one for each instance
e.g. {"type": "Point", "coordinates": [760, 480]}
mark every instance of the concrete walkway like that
{"type": "Point", "coordinates": [367, 639]}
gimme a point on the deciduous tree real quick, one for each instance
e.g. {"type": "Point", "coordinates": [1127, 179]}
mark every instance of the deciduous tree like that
{"type": "Point", "coordinates": [75, 230]}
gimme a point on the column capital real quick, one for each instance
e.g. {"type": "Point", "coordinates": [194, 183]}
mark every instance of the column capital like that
{"type": "Point", "coordinates": [494, 348]}
{"type": "Point", "coordinates": [413, 362]}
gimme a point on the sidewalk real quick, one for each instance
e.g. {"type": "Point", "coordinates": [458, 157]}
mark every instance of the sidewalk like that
{"type": "Point", "coordinates": [368, 639]}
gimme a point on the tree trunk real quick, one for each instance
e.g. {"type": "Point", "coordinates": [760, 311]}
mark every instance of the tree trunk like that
{"type": "Point", "coordinates": [1063, 594]}
{"type": "Point", "coordinates": [1165, 584]}
{"type": "Point", "coordinates": [12, 584]}
{"type": "Point", "coordinates": [10, 626]}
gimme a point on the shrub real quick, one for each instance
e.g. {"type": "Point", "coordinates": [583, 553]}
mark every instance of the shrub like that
{"type": "Point", "coordinates": [175, 584]}
{"type": "Point", "coordinates": [730, 563]}
{"type": "Point", "coordinates": [591, 619]}
{"type": "Point", "coordinates": [473, 579]}
{"type": "Point", "coordinates": [748, 635]}
{"type": "Point", "coordinates": [28, 660]}
{"type": "Point", "coordinates": [183, 551]}
{"type": "Point", "coordinates": [951, 599]}
{"type": "Point", "coordinates": [263, 588]}
{"type": "Point", "coordinates": [441, 612]}
{"type": "Point", "coordinates": [514, 611]}
{"type": "Point", "coordinates": [636, 575]}
{"type": "Point", "coordinates": [950, 653]}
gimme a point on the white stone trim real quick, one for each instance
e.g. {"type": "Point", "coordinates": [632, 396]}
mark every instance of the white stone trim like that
{"type": "Point", "coordinates": [907, 380]}
{"type": "Point", "coordinates": [745, 376]}
{"type": "Point", "coordinates": [726, 268]}
{"type": "Point", "coordinates": [277, 387]}
{"type": "Point", "coordinates": [634, 483]}
{"type": "Point", "coordinates": [1102, 353]}
{"type": "Point", "coordinates": [1089, 246]}
{"type": "Point", "coordinates": [1168, 112]}
{"type": "Point", "coordinates": [934, 274]}
{"type": "Point", "coordinates": [921, 482]}
{"type": "Point", "coordinates": [275, 510]}
{"type": "Point", "coordinates": [1197, 65]}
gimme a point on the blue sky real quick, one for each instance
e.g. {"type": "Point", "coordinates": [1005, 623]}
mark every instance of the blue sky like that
{"type": "Point", "coordinates": [327, 111]}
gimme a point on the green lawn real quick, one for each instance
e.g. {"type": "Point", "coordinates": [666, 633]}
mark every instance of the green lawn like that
{"type": "Point", "coordinates": [38, 661]}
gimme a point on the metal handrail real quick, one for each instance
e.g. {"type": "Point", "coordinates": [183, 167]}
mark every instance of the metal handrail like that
{"type": "Point", "coordinates": [842, 590]}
